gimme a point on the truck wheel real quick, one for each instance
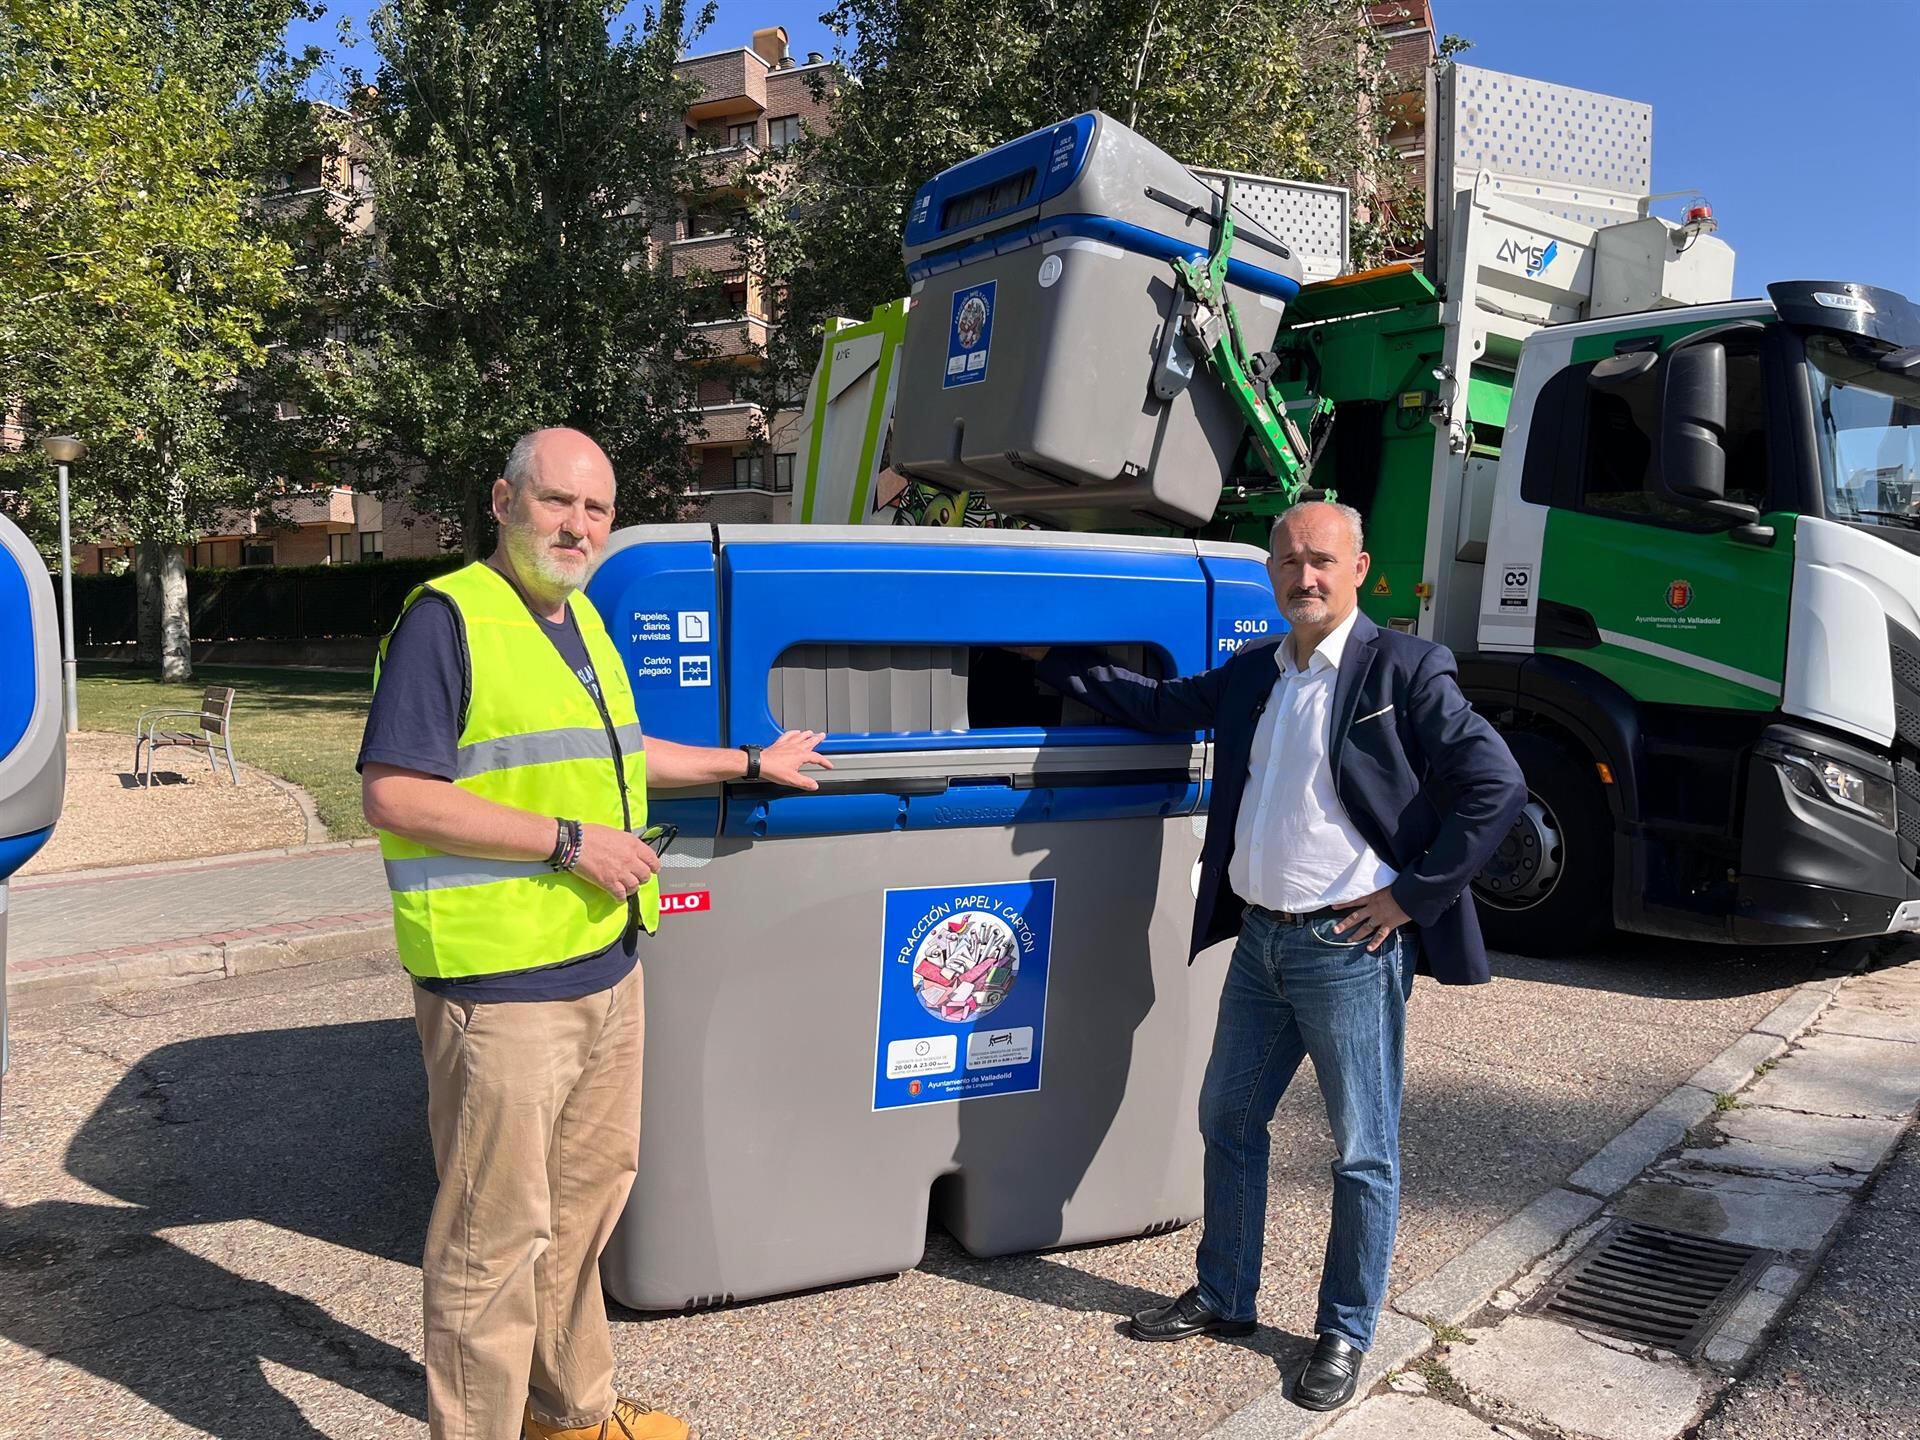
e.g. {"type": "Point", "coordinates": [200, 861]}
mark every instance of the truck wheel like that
{"type": "Point", "coordinates": [1548, 888]}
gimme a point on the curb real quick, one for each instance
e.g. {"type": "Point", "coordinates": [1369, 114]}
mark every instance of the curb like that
{"type": "Point", "coordinates": [70, 979]}
{"type": "Point", "coordinates": [1466, 1283]}
{"type": "Point", "coordinates": [317, 832]}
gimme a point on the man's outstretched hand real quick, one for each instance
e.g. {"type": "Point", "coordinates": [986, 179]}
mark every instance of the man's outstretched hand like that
{"type": "Point", "coordinates": [786, 760]}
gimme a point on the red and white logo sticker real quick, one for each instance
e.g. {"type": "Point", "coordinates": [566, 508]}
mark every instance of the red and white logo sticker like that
{"type": "Point", "coordinates": [685, 902]}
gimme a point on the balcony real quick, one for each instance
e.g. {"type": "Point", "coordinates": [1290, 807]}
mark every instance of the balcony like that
{"type": "Point", "coordinates": [709, 254]}
{"type": "Point", "coordinates": [736, 336]}
{"type": "Point", "coordinates": [736, 424]}
{"type": "Point", "coordinates": [720, 167]}
{"type": "Point", "coordinates": [732, 82]}
{"type": "Point", "coordinates": [351, 210]}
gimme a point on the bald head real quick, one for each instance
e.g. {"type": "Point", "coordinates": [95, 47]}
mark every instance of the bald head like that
{"type": "Point", "coordinates": [557, 448]}
{"type": "Point", "coordinates": [554, 505]}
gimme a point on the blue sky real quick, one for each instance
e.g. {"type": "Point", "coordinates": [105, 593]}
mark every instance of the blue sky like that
{"type": "Point", "coordinates": [1793, 117]}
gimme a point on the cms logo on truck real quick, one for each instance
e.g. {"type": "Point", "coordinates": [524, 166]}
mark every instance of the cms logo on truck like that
{"type": "Point", "coordinates": [1243, 632]}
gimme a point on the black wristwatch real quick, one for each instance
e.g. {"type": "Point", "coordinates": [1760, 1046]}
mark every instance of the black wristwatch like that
{"type": "Point", "coordinates": [753, 761]}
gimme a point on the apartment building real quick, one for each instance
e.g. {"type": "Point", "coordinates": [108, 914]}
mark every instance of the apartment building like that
{"type": "Point", "coordinates": [1407, 27]}
{"type": "Point", "coordinates": [333, 525]}
{"type": "Point", "coordinates": [753, 101]}
{"type": "Point", "coordinates": [330, 525]}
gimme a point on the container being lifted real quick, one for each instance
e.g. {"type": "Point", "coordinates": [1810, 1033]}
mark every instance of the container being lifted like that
{"type": "Point", "coordinates": [1096, 420]}
{"type": "Point", "coordinates": [1042, 367]}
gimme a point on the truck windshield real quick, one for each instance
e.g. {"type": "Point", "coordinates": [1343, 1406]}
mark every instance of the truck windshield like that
{"type": "Point", "coordinates": [1869, 427]}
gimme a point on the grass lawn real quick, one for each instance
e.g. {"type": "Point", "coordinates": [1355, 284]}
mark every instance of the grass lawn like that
{"type": "Point", "coordinates": [302, 725]}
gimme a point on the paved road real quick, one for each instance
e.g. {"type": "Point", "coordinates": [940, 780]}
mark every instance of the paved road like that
{"type": "Point", "coordinates": [214, 1199]}
{"type": "Point", "coordinates": [1846, 1363]}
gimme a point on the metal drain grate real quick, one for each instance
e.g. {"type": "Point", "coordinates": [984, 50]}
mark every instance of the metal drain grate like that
{"type": "Point", "coordinates": [1658, 1287]}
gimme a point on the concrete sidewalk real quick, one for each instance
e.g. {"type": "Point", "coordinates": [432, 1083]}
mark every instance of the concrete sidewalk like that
{"type": "Point", "coordinates": [1798, 1120]}
{"type": "Point", "coordinates": [87, 933]}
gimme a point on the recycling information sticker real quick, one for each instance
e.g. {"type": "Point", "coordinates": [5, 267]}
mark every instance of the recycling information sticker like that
{"type": "Point", "coordinates": [970, 335]}
{"type": "Point", "coordinates": [963, 992]}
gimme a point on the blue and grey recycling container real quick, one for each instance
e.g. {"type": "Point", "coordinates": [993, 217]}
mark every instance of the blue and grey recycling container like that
{"type": "Point", "coordinates": [33, 747]}
{"type": "Point", "coordinates": [954, 980]}
{"type": "Point", "coordinates": [1042, 286]}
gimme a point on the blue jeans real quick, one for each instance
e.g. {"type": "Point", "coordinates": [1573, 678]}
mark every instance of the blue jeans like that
{"type": "Point", "coordinates": [1294, 991]}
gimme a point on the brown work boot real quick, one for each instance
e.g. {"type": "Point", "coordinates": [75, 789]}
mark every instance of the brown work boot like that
{"type": "Point", "coordinates": [630, 1421]}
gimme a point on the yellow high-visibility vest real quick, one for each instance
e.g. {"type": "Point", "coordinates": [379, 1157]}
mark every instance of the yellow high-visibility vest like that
{"type": "Point", "coordinates": [531, 738]}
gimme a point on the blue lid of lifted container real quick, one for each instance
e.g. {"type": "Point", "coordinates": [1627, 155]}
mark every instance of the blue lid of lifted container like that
{"type": "Point", "coordinates": [1026, 192]}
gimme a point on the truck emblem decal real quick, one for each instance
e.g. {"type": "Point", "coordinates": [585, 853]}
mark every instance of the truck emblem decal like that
{"type": "Point", "coordinates": [1679, 595]}
{"type": "Point", "coordinates": [1534, 258]}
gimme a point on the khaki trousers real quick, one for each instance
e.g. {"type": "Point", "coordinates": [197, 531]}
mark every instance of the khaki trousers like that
{"type": "Point", "coordinates": [534, 1109]}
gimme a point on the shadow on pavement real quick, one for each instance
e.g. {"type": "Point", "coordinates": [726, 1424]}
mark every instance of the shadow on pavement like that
{"type": "Point", "coordinates": [1048, 1279]}
{"type": "Point", "coordinates": [318, 1131]}
{"type": "Point", "coordinates": [1677, 969]}
{"type": "Point", "coordinates": [88, 1285]}
{"type": "Point", "coordinates": [321, 1131]}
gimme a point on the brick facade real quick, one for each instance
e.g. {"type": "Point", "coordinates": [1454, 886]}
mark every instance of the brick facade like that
{"type": "Point", "coordinates": [747, 99]}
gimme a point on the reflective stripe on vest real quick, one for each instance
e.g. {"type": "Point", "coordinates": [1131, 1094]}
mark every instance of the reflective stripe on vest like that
{"type": "Point", "coordinates": [534, 739]}
{"type": "Point", "coordinates": [544, 748]}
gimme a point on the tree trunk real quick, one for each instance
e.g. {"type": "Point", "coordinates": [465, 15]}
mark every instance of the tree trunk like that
{"type": "Point", "coordinates": [473, 521]}
{"type": "Point", "coordinates": [146, 590]}
{"type": "Point", "coordinates": [176, 640]}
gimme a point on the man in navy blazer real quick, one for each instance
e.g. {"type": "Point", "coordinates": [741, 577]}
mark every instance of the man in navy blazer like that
{"type": "Point", "coordinates": [1355, 796]}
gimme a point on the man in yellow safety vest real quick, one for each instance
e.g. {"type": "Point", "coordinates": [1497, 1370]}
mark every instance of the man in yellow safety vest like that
{"type": "Point", "coordinates": [505, 770]}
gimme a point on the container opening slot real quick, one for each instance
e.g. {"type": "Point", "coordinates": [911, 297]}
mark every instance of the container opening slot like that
{"type": "Point", "coordinates": [865, 690]}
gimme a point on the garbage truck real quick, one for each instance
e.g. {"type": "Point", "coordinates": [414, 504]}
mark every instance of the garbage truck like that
{"type": "Point", "coordinates": [1666, 532]}
{"type": "Point", "coordinates": [1673, 537]}
{"type": "Point", "coordinates": [33, 747]}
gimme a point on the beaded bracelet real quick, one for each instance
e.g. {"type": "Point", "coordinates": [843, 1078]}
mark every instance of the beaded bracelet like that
{"type": "Point", "coordinates": [566, 850]}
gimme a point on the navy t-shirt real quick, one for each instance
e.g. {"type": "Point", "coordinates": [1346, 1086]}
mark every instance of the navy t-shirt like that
{"type": "Point", "coordinates": [415, 721]}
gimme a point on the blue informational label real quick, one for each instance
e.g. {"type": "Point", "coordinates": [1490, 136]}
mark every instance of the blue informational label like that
{"type": "Point", "coordinates": [963, 992]}
{"type": "Point", "coordinates": [1230, 635]}
{"type": "Point", "coordinates": [970, 335]}
{"type": "Point", "coordinates": [669, 649]}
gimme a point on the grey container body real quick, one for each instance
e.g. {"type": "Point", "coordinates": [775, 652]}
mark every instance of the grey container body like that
{"type": "Point", "coordinates": [764, 1166]}
{"type": "Point", "coordinates": [1066, 425]}
{"type": "Point", "coordinates": [790, 1138]}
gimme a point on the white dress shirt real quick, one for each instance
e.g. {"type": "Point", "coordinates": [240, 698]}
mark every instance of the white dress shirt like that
{"type": "Point", "coordinates": [1294, 848]}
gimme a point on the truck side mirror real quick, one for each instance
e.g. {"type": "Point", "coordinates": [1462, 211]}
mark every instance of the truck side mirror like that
{"type": "Point", "coordinates": [1693, 429]}
{"type": "Point", "coordinates": [1693, 424]}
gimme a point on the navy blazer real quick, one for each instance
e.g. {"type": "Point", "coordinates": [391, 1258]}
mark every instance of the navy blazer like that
{"type": "Point", "coordinates": [1425, 779]}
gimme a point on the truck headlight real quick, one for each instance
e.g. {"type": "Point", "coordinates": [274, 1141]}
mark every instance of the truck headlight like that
{"type": "Point", "coordinates": [1821, 777]}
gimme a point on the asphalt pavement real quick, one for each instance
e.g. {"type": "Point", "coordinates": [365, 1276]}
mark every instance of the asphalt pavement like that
{"type": "Point", "coordinates": [215, 1197]}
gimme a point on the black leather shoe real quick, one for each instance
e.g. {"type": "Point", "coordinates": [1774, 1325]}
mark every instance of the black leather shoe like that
{"type": "Point", "coordinates": [1327, 1380]}
{"type": "Point", "coordinates": [1186, 1316]}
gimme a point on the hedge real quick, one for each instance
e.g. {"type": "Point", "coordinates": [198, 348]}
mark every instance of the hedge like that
{"type": "Point", "coordinates": [300, 602]}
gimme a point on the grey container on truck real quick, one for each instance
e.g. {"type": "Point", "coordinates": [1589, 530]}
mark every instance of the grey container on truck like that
{"type": "Point", "coordinates": [1042, 277]}
{"type": "Point", "coordinates": [954, 980]}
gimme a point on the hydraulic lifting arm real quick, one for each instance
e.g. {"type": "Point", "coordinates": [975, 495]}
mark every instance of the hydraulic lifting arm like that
{"type": "Point", "coordinates": [1210, 326]}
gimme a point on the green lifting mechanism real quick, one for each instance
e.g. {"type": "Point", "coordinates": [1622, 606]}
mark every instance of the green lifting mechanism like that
{"type": "Point", "coordinates": [1209, 325]}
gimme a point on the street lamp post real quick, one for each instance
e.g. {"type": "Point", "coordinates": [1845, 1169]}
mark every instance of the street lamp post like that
{"type": "Point", "coordinates": [63, 450]}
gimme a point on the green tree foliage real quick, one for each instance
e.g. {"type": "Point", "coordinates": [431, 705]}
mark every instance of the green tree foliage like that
{"type": "Point", "coordinates": [134, 282]}
{"type": "Point", "coordinates": [1294, 88]}
{"type": "Point", "coordinates": [522, 159]}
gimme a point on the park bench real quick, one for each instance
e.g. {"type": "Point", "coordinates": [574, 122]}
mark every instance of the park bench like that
{"type": "Point", "coordinates": [216, 731]}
